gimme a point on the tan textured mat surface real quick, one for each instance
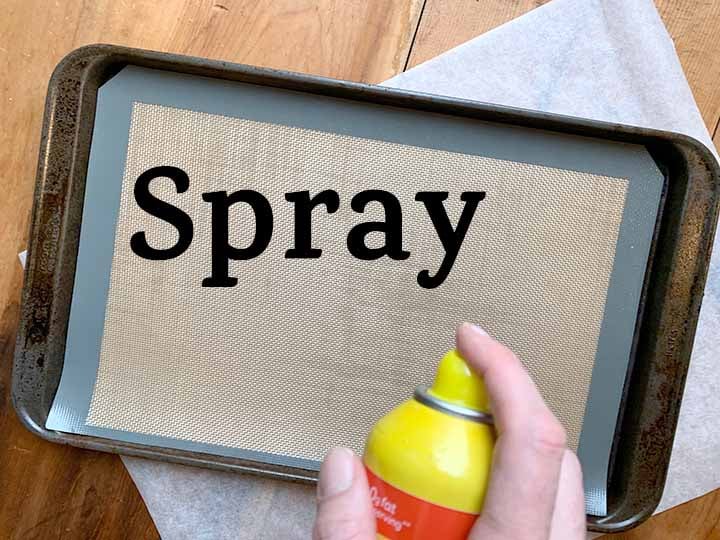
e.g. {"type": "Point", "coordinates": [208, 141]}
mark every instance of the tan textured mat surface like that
{"type": "Point", "coordinates": [307, 353]}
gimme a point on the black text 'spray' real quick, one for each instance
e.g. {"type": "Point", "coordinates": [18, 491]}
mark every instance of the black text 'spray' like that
{"type": "Point", "coordinates": [304, 203]}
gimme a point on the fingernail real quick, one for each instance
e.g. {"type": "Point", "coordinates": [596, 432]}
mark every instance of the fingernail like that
{"type": "Point", "coordinates": [336, 473]}
{"type": "Point", "coordinates": [475, 329]}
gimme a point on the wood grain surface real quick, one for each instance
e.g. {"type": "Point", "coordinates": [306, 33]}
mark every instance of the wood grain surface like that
{"type": "Point", "coordinates": [50, 491]}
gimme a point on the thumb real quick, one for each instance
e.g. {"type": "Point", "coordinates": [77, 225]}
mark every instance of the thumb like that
{"type": "Point", "coordinates": [344, 510]}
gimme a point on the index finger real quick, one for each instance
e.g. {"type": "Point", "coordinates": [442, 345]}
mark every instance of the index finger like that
{"type": "Point", "coordinates": [530, 446]}
{"type": "Point", "coordinates": [516, 401]}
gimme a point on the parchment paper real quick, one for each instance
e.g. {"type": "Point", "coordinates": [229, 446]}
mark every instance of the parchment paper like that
{"type": "Point", "coordinates": [609, 60]}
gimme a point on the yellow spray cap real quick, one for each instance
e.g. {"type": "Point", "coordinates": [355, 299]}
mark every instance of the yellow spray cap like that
{"type": "Point", "coordinates": [456, 383]}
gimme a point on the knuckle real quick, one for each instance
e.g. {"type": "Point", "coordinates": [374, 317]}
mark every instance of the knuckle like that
{"type": "Point", "coordinates": [550, 436]}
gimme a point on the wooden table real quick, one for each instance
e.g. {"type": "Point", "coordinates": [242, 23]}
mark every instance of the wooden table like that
{"type": "Point", "coordinates": [50, 491]}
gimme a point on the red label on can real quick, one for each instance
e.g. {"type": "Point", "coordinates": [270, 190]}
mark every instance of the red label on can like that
{"type": "Point", "coordinates": [401, 516]}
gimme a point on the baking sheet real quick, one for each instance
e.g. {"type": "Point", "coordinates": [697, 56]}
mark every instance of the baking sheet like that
{"type": "Point", "coordinates": [514, 148]}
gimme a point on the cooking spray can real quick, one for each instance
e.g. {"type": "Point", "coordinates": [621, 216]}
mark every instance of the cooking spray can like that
{"type": "Point", "coordinates": [428, 461]}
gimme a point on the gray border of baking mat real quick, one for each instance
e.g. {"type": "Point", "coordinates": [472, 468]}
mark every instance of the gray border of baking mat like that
{"type": "Point", "coordinates": [240, 100]}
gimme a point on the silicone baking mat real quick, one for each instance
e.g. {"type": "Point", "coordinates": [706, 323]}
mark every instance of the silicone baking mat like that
{"type": "Point", "coordinates": [303, 354]}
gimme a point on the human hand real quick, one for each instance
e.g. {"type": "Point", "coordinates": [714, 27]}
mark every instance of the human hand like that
{"type": "Point", "coordinates": [535, 490]}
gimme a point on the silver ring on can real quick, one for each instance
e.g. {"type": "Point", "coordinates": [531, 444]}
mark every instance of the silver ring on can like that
{"type": "Point", "coordinates": [423, 396]}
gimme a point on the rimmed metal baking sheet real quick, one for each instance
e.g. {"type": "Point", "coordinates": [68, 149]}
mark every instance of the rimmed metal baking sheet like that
{"type": "Point", "coordinates": [380, 125]}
